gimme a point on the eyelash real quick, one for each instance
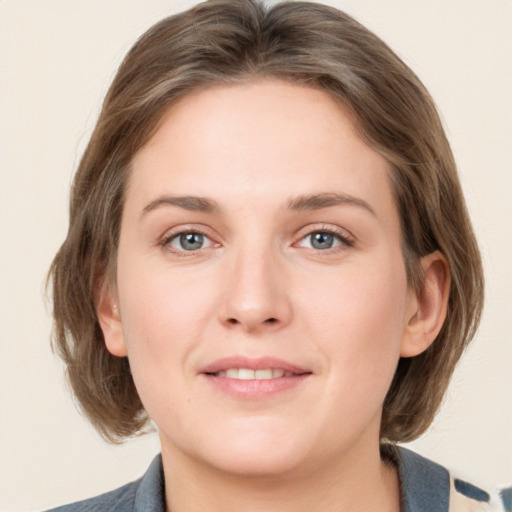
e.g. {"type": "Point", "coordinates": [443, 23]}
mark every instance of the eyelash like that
{"type": "Point", "coordinates": [169, 238]}
{"type": "Point", "coordinates": [345, 240]}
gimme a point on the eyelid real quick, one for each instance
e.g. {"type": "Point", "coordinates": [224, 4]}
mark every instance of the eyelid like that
{"type": "Point", "coordinates": [171, 234]}
{"type": "Point", "coordinates": [345, 237]}
{"type": "Point", "coordinates": [205, 239]}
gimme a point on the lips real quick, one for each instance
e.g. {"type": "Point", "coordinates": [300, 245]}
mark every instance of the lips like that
{"type": "Point", "coordinates": [253, 379]}
{"type": "Point", "coordinates": [259, 366]}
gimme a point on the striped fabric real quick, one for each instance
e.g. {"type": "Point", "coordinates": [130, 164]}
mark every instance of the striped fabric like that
{"type": "Point", "coordinates": [429, 487]}
{"type": "Point", "coordinates": [465, 497]}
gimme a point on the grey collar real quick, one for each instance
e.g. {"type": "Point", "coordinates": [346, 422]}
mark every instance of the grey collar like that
{"type": "Point", "coordinates": [150, 496]}
{"type": "Point", "coordinates": [425, 485]}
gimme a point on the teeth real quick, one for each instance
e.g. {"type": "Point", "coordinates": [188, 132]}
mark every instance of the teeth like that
{"type": "Point", "coordinates": [263, 374]}
{"type": "Point", "coordinates": [248, 374]}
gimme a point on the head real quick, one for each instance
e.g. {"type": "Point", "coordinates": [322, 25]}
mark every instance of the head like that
{"type": "Point", "coordinates": [228, 43]}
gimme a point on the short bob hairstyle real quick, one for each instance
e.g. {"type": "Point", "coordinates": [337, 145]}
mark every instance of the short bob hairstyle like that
{"type": "Point", "coordinates": [229, 42]}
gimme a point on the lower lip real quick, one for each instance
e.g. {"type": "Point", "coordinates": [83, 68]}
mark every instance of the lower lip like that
{"type": "Point", "coordinates": [255, 389]}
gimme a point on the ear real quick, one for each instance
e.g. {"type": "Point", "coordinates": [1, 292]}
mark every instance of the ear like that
{"type": "Point", "coordinates": [427, 309]}
{"type": "Point", "coordinates": [110, 321]}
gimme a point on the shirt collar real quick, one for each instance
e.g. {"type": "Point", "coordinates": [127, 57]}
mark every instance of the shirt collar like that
{"type": "Point", "coordinates": [150, 496]}
{"type": "Point", "coordinates": [424, 485]}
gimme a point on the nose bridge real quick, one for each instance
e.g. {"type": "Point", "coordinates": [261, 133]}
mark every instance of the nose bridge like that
{"type": "Point", "coordinates": [256, 296]}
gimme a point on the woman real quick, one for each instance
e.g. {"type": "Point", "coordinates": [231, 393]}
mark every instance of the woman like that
{"type": "Point", "coordinates": [269, 256]}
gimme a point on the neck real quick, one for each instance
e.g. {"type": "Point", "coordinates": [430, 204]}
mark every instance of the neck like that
{"type": "Point", "coordinates": [335, 487]}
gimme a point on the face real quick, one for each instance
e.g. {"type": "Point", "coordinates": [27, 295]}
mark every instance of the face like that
{"type": "Point", "coordinates": [261, 287]}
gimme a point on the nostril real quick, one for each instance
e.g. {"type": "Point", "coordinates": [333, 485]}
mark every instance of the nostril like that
{"type": "Point", "coordinates": [250, 323]}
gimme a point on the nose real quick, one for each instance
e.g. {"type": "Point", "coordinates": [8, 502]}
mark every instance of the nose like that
{"type": "Point", "coordinates": [256, 295]}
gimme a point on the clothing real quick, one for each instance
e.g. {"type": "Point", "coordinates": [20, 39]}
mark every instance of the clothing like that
{"type": "Point", "coordinates": [425, 487]}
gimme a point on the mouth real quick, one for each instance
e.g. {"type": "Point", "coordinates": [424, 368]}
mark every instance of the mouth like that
{"type": "Point", "coordinates": [247, 368]}
{"type": "Point", "coordinates": [246, 378]}
{"type": "Point", "coordinates": [248, 374]}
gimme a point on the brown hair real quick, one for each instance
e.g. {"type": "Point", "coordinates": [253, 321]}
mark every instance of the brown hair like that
{"type": "Point", "coordinates": [224, 41]}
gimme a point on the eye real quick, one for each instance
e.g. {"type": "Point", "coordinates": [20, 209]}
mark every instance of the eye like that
{"type": "Point", "coordinates": [189, 241]}
{"type": "Point", "coordinates": [323, 240]}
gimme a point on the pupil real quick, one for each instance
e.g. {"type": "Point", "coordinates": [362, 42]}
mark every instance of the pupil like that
{"type": "Point", "coordinates": [322, 240]}
{"type": "Point", "coordinates": [191, 241]}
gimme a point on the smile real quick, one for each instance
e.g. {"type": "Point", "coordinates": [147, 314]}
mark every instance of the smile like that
{"type": "Point", "coordinates": [254, 379]}
{"type": "Point", "coordinates": [248, 374]}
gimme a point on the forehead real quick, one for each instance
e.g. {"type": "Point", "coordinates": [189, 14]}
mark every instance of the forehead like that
{"type": "Point", "coordinates": [265, 138]}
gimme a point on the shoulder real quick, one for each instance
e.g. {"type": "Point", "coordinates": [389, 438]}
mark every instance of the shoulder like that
{"type": "Point", "coordinates": [143, 495]}
{"type": "Point", "coordinates": [121, 499]}
{"type": "Point", "coordinates": [429, 487]}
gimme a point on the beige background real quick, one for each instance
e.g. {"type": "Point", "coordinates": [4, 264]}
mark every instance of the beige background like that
{"type": "Point", "coordinates": [57, 58]}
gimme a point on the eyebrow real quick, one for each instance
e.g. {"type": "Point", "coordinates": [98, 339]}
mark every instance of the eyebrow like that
{"type": "Point", "coordinates": [327, 200]}
{"type": "Point", "coordinates": [192, 203]}
{"type": "Point", "coordinates": [300, 203]}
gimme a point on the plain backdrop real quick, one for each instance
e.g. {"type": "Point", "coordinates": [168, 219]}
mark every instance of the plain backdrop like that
{"type": "Point", "coordinates": [57, 58]}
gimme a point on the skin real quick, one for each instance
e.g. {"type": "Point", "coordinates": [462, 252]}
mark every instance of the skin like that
{"type": "Point", "coordinates": [259, 287]}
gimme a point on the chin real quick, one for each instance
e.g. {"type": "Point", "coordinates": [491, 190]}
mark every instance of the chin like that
{"type": "Point", "coordinates": [256, 462]}
{"type": "Point", "coordinates": [251, 449]}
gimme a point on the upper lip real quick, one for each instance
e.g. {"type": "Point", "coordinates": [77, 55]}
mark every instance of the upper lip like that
{"type": "Point", "coordinates": [258, 363]}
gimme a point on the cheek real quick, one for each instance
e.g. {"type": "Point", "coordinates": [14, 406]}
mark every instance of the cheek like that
{"type": "Point", "coordinates": [164, 312]}
{"type": "Point", "coordinates": [360, 320]}
{"type": "Point", "coordinates": [158, 316]}
{"type": "Point", "coordinates": [160, 326]}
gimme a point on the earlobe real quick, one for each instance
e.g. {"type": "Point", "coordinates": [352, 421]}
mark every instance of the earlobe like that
{"type": "Point", "coordinates": [110, 321]}
{"type": "Point", "coordinates": [428, 308]}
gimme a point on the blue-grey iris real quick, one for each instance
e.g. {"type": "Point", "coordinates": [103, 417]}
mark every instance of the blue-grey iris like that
{"type": "Point", "coordinates": [191, 241]}
{"type": "Point", "coordinates": [322, 240]}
